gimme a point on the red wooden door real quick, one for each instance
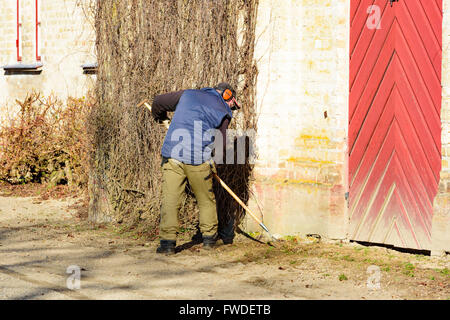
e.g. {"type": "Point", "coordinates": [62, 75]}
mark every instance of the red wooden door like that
{"type": "Point", "coordinates": [394, 120]}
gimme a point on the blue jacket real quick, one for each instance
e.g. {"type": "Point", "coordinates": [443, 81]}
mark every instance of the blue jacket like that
{"type": "Point", "coordinates": [197, 112]}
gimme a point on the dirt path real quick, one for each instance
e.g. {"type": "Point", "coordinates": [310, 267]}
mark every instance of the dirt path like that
{"type": "Point", "coordinates": [39, 240]}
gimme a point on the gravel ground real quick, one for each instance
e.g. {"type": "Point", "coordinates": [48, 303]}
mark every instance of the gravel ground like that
{"type": "Point", "coordinates": [41, 239]}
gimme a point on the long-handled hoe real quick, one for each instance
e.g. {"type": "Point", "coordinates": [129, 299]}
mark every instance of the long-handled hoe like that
{"type": "Point", "coordinates": [224, 185]}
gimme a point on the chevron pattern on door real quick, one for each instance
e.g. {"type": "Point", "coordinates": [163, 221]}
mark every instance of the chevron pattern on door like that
{"type": "Point", "coordinates": [394, 120]}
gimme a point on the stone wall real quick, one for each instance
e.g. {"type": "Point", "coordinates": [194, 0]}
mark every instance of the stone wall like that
{"type": "Point", "coordinates": [67, 42]}
{"type": "Point", "coordinates": [302, 96]}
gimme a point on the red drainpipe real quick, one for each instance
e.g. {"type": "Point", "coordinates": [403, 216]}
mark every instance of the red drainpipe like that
{"type": "Point", "coordinates": [38, 57]}
{"type": "Point", "coordinates": [19, 58]}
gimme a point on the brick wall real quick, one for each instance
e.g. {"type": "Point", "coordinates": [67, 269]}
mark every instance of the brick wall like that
{"type": "Point", "coordinates": [67, 42]}
{"type": "Point", "coordinates": [302, 98]}
{"type": "Point", "coordinates": [441, 213]}
{"type": "Point", "coordinates": [8, 31]}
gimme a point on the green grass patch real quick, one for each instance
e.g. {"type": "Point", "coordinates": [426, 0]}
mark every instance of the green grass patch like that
{"type": "Point", "coordinates": [408, 269]}
{"type": "Point", "coordinates": [254, 234]}
{"type": "Point", "coordinates": [342, 277]}
{"type": "Point", "coordinates": [348, 258]}
{"type": "Point", "coordinates": [386, 268]}
{"type": "Point", "coordinates": [445, 272]}
{"type": "Point", "coordinates": [294, 239]}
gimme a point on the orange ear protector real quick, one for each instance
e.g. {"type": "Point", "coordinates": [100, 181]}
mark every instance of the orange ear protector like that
{"type": "Point", "coordinates": [227, 94]}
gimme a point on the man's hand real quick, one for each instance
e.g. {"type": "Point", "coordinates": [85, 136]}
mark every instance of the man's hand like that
{"type": "Point", "coordinates": [166, 123]}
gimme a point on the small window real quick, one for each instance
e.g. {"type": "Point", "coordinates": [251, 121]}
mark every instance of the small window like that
{"type": "Point", "coordinates": [20, 67]}
{"type": "Point", "coordinates": [90, 68]}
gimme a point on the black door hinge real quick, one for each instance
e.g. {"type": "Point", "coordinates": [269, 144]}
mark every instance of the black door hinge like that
{"type": "Point", "coordinates": [392, 1]}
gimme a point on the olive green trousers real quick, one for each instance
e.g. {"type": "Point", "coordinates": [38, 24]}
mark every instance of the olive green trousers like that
{"type": "Point", "coordinates": [175, 174]}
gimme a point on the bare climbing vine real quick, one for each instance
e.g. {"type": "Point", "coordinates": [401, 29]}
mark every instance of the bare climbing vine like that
{"type": "Point", "coordinates": [146, 48]}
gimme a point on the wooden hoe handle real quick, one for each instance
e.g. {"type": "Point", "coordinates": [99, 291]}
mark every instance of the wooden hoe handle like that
{"type": "Point", "coordinates": [224, 185]}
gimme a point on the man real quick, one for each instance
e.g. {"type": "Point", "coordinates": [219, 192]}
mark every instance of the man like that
{"type": "Point", "coordinates": [187, 155]}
